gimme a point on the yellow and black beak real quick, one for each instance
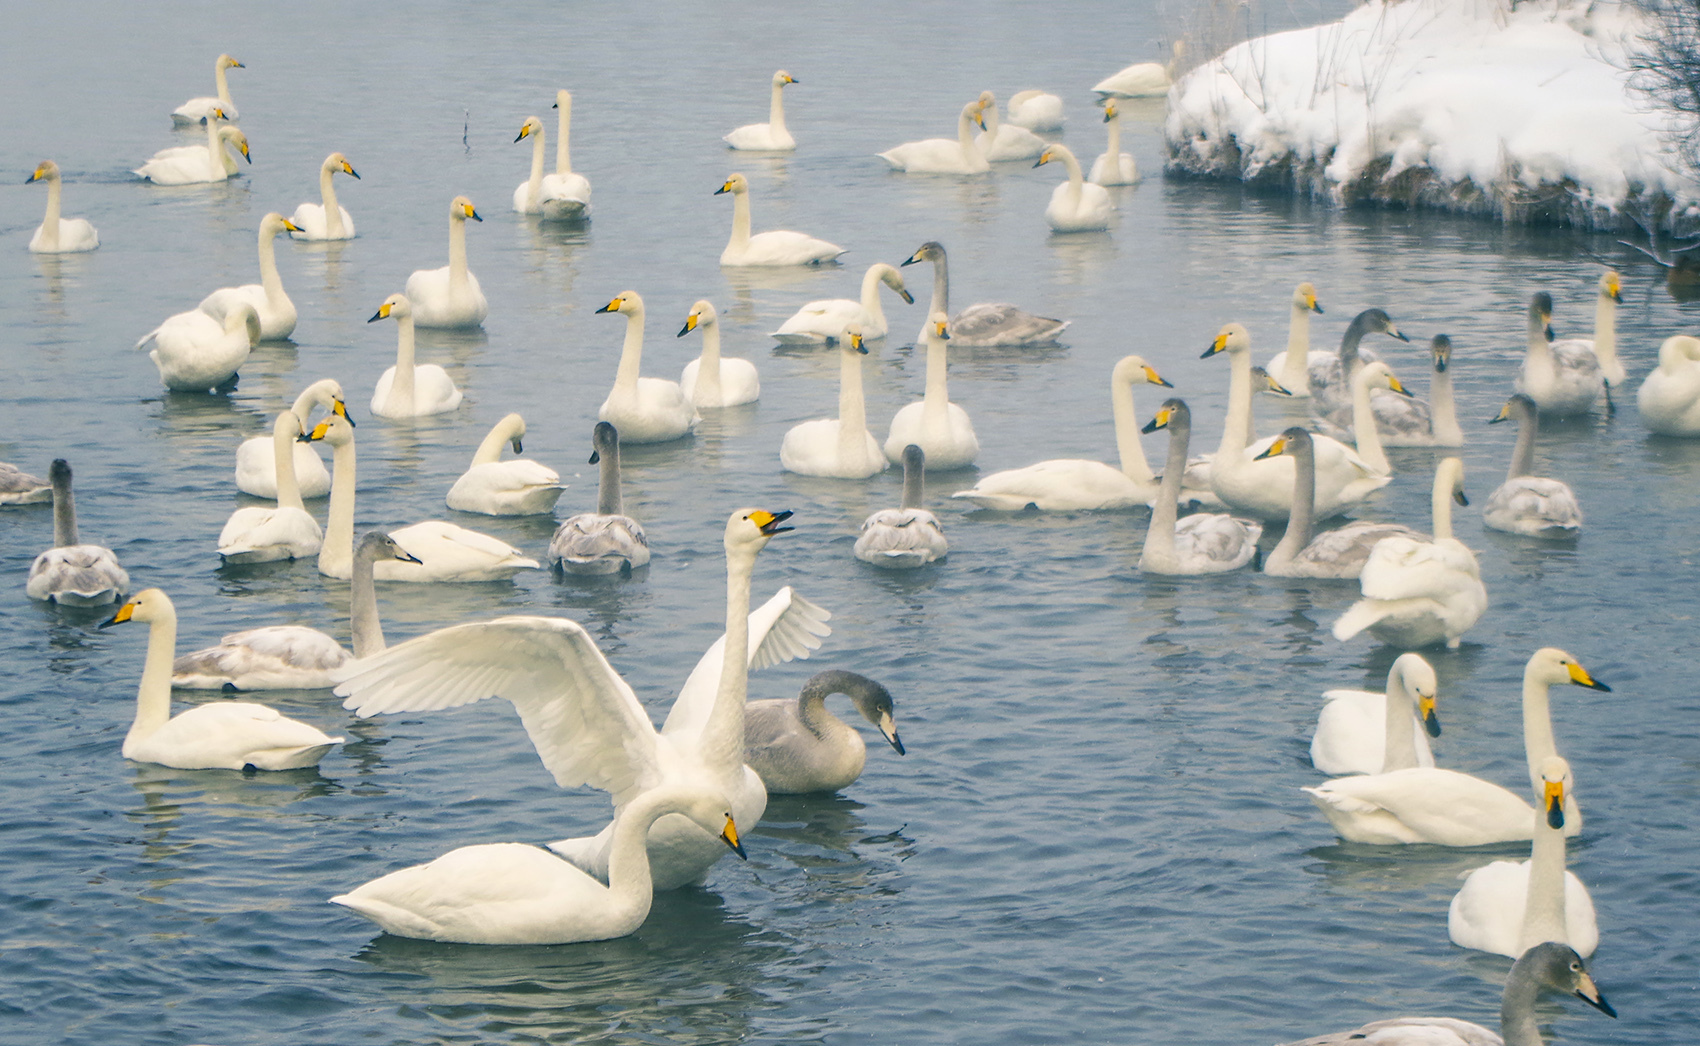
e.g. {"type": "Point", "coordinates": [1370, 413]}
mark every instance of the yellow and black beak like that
{"type": "Point", "coordinates": [1552, 801]}
{"type": "Point", "coordinates": [1614, 291]}
{"type": "Point", "coordinates": [1590, 993]}
{"type": "Point", "coordinates": [790, 79]}
{"type": "Point", "coordinates": [123, 615]}
{"type": "Point", "coordinates": [523, 131]}
{"type": "Point", "coordinates": [1393, 383]}
{"type": "Point", "coordinates": [1271, 385]}
{"type": "Point", "coordinates": [727, 187]}
{"type": "Point", "coordinates": [383, 313]}
{"type": "Point", "coordinates": [37, 175]}
{"type": "Point", "coordinates": [729, 836]}
{"type": "Point", "coordinates": [768, 522]}
{"type": "Point", "coordinates": [234, 64]}
{"type": "Point", "coordinates": [856, 343]}
{"type": "Point", "coordinates": [888, 730]}
{"type": "Point", "coordinates": [472, 212]}
{"type": "Point", "coordinates": [1044, 157]}
{"type": "Point", "coordinates": [913, 259]}
{"type": "Point", "coordinates": [690, 325]}
{"type": "Point", "coordinates": [340, 409]}
{"type": "Point", "coordinates": [246, 154]}
{"type": "Point", "coordinates": [1396, 332]}
{"type": "Point", "coordinates": [1161, 421]}
{"type": "Point", "coordinates": [1431, 719]}
{"type": "Point", "coordinates": [1109, 112]}
{"type": "Point", "coordinates": [1274, 449]}
{"type": "Point", "coordinates": [292, 227]}
{"type": "Point", "coordinates": [941, 328]}
{"type": "Point", "coordinates": [519, 448]}
{"type": "Point", "coordinates": [1503, 415]}
{"type": "Point", "coordinates": [1216, 346]}
{"type": "Point", "coordinates": [348, 168]}
{"type": "Point", "coordinates": [1580, 677]}
{"type": "Point", "coordinates": [1154, 378]}
{"type": "Point", "coordinates": [613, 306]}
{"type": "Point", "coordinates": [908, 299]}
{"type": "Point", "coordinates": [317, 434]}
{"type": "Point", "coordinates": [1442, 353]}
{"type": "Point", "coordinates": [1315, 306]}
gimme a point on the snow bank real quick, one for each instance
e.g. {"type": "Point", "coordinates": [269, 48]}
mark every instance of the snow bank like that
{"type": "Point", "coordinates": [1459, 104]}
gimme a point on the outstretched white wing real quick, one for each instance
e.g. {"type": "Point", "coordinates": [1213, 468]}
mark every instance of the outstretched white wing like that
{"type": "Point", "coordinates": [584, 721]}
{"type": "Point", "coordinates": [785, 628]}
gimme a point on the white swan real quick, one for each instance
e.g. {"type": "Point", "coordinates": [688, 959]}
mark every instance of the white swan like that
{"type": "Point", "coordinates": [771, 137]}
{"type": "Point", "coordinates": [907, 536]}
{"type": "Point", "coordinates": [409, 389]}
{"type": "Point", "coordinates": [1263, 487]}
{"type": "Point", "coordinates": [817, 321]}
{"type": "Point", "coordinates": [606, 541]}
{"type": "Point", "coordinates": [256, 465]}
{"type": "Point", "coordinates": [269, 302]}
{"type": "Point", "coordinates": [1363, 732]}
{"type": "Point", "coordinates": [294, 657]}
{"type": "Point", "coordinates": [1036, 111]}
{"type": "Point", "coordinates": [1203, 542]}
{"type": "Point", "coordinates": [1546, 967]}
{"type": "Point", "coordinates": [1330, 375]}
{"type": "Point", "coordinates": [1142, 79]}
{"type": "Point", "coordinates": [1372, 377]}
{"type": "Point", "coordinates": [71, 572]}
{"type": "Point", "coordinates": [450, 297]}
{"type": "Point", "coordinates": [1076, 205]}
{"type": "Point", "coordinates": [1338, 554]}
{"type": "Point", "coordinates": [987, 325]}
{"type": "Point", "coordinates": [196, 353]}
{"type": "Point", "coordinates": [58, 235]}
{"type": "Point", "coordinates": [586, 723]}
{"type": "Point", "coordinates": [1508, 907]}
{"type": "Point", "coordinates": [221, 735]}
{"type": "Point", "coordinates": [1525, 503]}
{"type": "Point", "coordinates": [18, 487]}
{"type": "Point", "coordinates": [1292, 366]}
{"type": "Point", "coordinates": [939, 427]}
{"type": "Point", "coordinates": [516, 893]}
{"type": "Point", "coordinates": [283, 531]}
{"type": "Point", "coordinates": [528, 195]}
{"type": "Point", "coordinates": [1001, 142]}
{"type": "Point", "coordinates": [776, 247]}
{"type": "Point", "coordinates": [516, 487]}
{"type": "Point", "coordinates": [944, 155]}
{"type": "Point", "coordinates": [1417, 593]}
{"type": "Point", "coordinates": [1669, 400]}
{"type": "Point", "coordinates": [1073, 484]}
{"type": "Point", "coordinates": [441, 551]}
{"type": "Point", "coordinates": [326, 220]}
{"type": "Point", "coordinates": [197, 110]}
{"type": "Point", "coordinates": [1114, 167]}
{"type": "Point", "coordinates": [645, 410]}
{"type": "Point", "coordinates": [194, 164]}
{"type": "Point", "coordinates": [797, 746]}
{"type": "Point", "coordinates": [841, 447]}
{"type": "Point", "coordinates": [1563, 378]}
{"type": "Point", "coordinates": [712, 380]}
{"type": "Point", "coordinates": [1603, 345]}
{"type": "Point", "coordinates": [564, 195]}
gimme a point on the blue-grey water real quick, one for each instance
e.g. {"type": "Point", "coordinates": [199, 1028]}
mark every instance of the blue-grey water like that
{"type": "Point", "coordinates": [1097, 834]}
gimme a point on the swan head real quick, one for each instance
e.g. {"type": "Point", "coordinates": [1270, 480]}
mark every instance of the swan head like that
{"type": "Point", "coordinates": [781, 78]}
{"type": "Point", "coordinates": [563, 100]}
{"type": "Point", "coordinates": [1231, 338]}
{"type": "Point", "coordinates": [1375, 321]}
{"type": "Point", "coordinates": [748, 530]}
{"type": "Point", "coordinates": [1555, 781]}
{"type": "Point", "coordinates": [931, 251]}
{"type": "Point", "coordinates": [604, 439]}
{"type": "Point", "coordinates": [628, 302]}
{"type": "Point", "coordinates": [702, 315]}
{"type": "Point", "coordinates": [460, 209]}
{"type": "Point", "coordinates": [1556, 967]}
{"type": "Point", "coordinates": [1417, 677]}
{"type": "Point", "coordinates": [1378, 375]}
{"type": "Point", "coordinates": [1551, 666]}
{"type": "Point", "coordinates": [737, 183]}
{"type": "Point", "coordinates": [938, 327]}
{"type": "Point", "coordinates": [336, 430]}
{"type": "Point", "coordinates": [531, 126]}
{"type": "Point", "coordinates": [227, 62]}
{"type": "Point", "coordinates": [1304, 297]}
{"type": "Point", "coordinates": [1611, 286]}
{"type": "Point", "coordinates": [1295, 442]}
{"type": "Point", "coordinates": [1449, 476]}
{"type": "Point", "coordinates": [150, 604]}
{"type": "Point", "coordinates": [1053, 152]}
{"type": "Point", "coordinates": [870, 697]}
{"type": "Point", "coordinates": [1110, 110]}
{"type": "Point", "coordinates": [1173, 414]}
{"type": "Point", "coordinates": [376, 545]}
{"type": "Point", "coordinates": [709, 810]}
{"type": "Point", "coordinates": [975, 111]}
{"type": "Point", "coordinates": [513, 428]}
{"type": "Point", "coordinates": [45, 171]}
{"type": "Point", "coordinates": [235, 137]}
{"type": "Point", "coordinates": [1131, 370]}
{"type": "Point", "coordinates": [1540, 312]}
{"type": "Point", "coordinates": [1262, 380]}
{"type": "Point", "coordinates": [274, 223]}
{"type": "Point", "coordinates": [395, 307]}
{"type": "Point", "coordinates": [892, 278]}
{"type": "Point", "coordinates": [339, 162]}
{"type": "Point", "coordinates": [1440, 349]}
{"type": "Point", "coordinates": [1520, 407]}
{"type": "Point", "coordinates": [850, 340]}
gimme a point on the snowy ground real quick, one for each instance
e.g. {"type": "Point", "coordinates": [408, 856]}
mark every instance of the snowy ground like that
{"type": "Point", "coordinates": [1466, 105]}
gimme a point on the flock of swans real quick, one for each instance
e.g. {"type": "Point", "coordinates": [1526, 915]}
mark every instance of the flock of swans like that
{"type": "Point", "coordinates": [681, 793]}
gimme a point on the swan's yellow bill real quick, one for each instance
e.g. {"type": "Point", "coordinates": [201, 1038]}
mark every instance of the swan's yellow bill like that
{"type": "Point", "coordinates": [1275, 448]}
{"type": "Point", "coordinates": [729, 835]}
{"type": "Point", "coordinates": [1553, 797]}
{"type": "Point", "coordinates": [768, 522]}
{"type": "Point", "coordinates": [1580, 677]}
{"type": "Point", "coordinates": [122, 616]}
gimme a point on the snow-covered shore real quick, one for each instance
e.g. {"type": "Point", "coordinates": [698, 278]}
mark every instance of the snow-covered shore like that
{"type": "Point", "coordinates": [1463, 105]}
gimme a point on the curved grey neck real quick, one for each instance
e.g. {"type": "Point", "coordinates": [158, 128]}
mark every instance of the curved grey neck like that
{"type": "Point", "coordinates": [811, 701]}
{"type": "Point", "coordinates": [608, 500]}
{"type": "Point", "coordinates": [1350, 358]}
{"type": "Point", "coordinates": [913, 485]}
{"type": "Point", "coordinates": [64, 514]}
{"type": "Point", "coordinates": [1301, 520]}
{"type": "Point", "coordinates": [1523, 455]}
{"type": "Point", "coordinates": [368, 634]}
{"type": "Point", "coordinates": [1517, 1023]}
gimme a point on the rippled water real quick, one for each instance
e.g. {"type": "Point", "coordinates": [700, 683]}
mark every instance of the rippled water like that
{"type": "Point", "coordinates": [1097, 834]}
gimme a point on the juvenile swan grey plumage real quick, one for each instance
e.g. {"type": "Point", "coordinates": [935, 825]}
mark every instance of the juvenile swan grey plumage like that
{"type": "Point", "coordinates": [71, 572]}
{"type": "Point", "coordinates": [798, 746]}
{"type": "Point", "coordinates": [910, 536]}
{"type": "Point", "coordinates": [605, 541]}
{"type": "Point", "coordinates": [1545, 967]}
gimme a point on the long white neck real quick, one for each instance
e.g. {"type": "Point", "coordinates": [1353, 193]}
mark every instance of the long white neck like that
{"type": "Point", "coordinates": [631, 888]}
{"type": "Point", "coordinates": [50, 224]}
{"type": "Point", "coordinates": [337, 553]}
{"type": "Point", "coordinates": [401, 388]}
{"type": "Point", "coordinates": [490, 449]}
{"type": "Point", "coordinates": [708, 364]}
{"type": "Point", "coordinates": [1160, 535]}
{"type": "Point", "coordinates": [1605, 337]}
{"type": "Point", "coordinates": [965, 133]}
{"type": "Point", "coordinates": [269, 278]}
{"type": "Point", "coordinates": [608, 499]}
{"type": "Point", "coordinates": [534, 183]}
{"type": "Point", "coordinates": [223, 81]}
{"type": "Point", "coordinates": [776, 109]}
{"type": "Point", "coordinates": [1236, 431]}
{"type": "Point", "coordinates": [1440, 501]}
{"type": "Point", "coordinates": [871, 296]}
{"type": "Point", "coordinates": [457, 252]}
{"type": "Point", "coordinates": [333, 212]}
{"type": "Point", "coordinates": [1364, 426]}
{"type": "Point", "coordinates": [1295, 370]}
{"type": "Point", "coordinates": [563, 157]}
{"type": "Point", "coordinates": [935, 404]}
{"type": "Point", "coordinates": [1543, 906]}
{"type": "Point", "coordinates": [215, 144]}
{"type": "Point", "coordinates": [1444, 411]}
{"type": "Point", "coordinates": [367, 632]}
{"type": "Point", "coordinates": [723, 734]}
{"type": "Point", "coordinates": [1076, 179]}
{"type": "Point", "coordinates": [1399, 741]}
{"type": "Point", "coordinates": [852, 411]}
{"type": "Point", "coordinates": [1302, 516]}
{"type": "Point", "coordinates": [1114, 147]}
{"type": "Point", "coordinates": [1129, 449]}
{"type": "Point", "coordinates": [153, 695]}
{"type": "Point", "coordinates": [631, 353]}
{"type": "Point", "coordinates": [284, 431]}
{"type": "Point", "coordinates": [740, 221]}
{"type": "Point", "coordinates": [1538, 741]}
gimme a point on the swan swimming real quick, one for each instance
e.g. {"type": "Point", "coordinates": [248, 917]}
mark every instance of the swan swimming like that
{"type": "Point", "coordinates": [58, 235]}
{"type": "Point", "coordinates": [1203, 542]}
{"type": "Point", "coordinates": [818, 321]}
{"type": "Point", "coordinates": [841, 447]}
{"type": "Point", "coordinates": [220, 735]}
{"type": "Point", "coordinates": [516, 487]}
{"type": "Point", "coordinates": [1114, 167]}
{"type": "Point", "coordinates": [1562, 377]}
{"type": "Point", "coordinates": [18, 487]}
{"type": "Point", "coordinates": [939, 427]}
{"type": "Point", "coordinates": [1077, 205]}
{"type": "Point", "coordinates": [194, 164]}
{"type": "Point", "coordinates": [450, 298]}
{"type": "Point", "coordinates": [776, 247]}
{"type": "Point", "coordinates": [256, 464]}
{"type": "Point", "coordinates": [987, 325]}
{"type": "Point", "coordinates": [797, 746]}
{"type": "Point", "coordinates": [282, 531]}
{"type": "Point", "coordinates": [1331, 377]}
{"type": "Point", "coordinates": [1525, 503]}
{"type": "Point", "coordinates": [1405, 421]}
{"type": "Point", "coordinates": [587, 724]}
{"type": "Point", "coordinates": [1363, 732]}
{"type": "Point", "coordinates": [72, 573]}
{"type": "Point", "coordinates": [1292, 366]}
{"type": "Point", "coordinates": [1338, 554]}
{"type": "Point", "coordinates": [409, 389]}
{"type": "Point", "coordinates": [196, 353]}
{"type": "Point", "coordinates": [1001, 142]}
{"type": "Point", "coordinates": [943, 155]}
{"type": "Point", "coordinates": [327, 219]}
{"type": "Point", "coordinates": [908, 536]}
{"type": "Point", "coordinates": [201, 110]}
{"type": "Point", "coordinates": [1142, 79]}
{"type": "Point", "coordinates": [1669, 400]}
{"type": "Point", "coordinates": [1036, 111]}
{"type": "Point", "coordinates": [645, 410]}
{"type": "Point", "coordinates": [606, 541]}
{"type": "Point", "coordinates": [1603, 345]}
{"type": "Point", "coordinates": [564, 195]}
{"type": "Point", "coordinates": [772, 136]}
{"type": "Point", "coordinates": [712, 380]}
{"type": "Point", "coordinates": [267, 298]}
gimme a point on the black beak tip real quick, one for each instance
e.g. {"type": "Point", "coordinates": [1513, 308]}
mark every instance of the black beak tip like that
{"type": "Point", "coordinates": [595, 457]}
{"type": "Point", "coordinates": [1555, 816]}
{"type": "Point", "coordinates": [109, 622]}
{"type": "Point", "coordinates": [355, 174]}
{"type": "Point", "coordinates": [1316, 309]}
{"type": "Point", "coordinates": [517, 137]}
{"type": "Point", "coordinates": [1207, 353]}
{"type": "Point", "coordinates": [1431, 723]}
{"type": "Point", "coordinates": [912, 260]}
{"type": "Point", "coordinates": [408, 557]}
{"type": "Point", "coordinates": [1602, 1005]}
{"type": "Point", "coordinates": [1149, 427]}
{"type": "Point", "coordinates": [376, 316]}
{"type": "Point", "coordinates": [1597, 685]}
{"type": "Point", "coordinates": [603, 309]}
{"type": "Point", "coordinates": [682, 332]}
{"type": "Point", "coordinates": [476, 216]}
{"type": "Point", "coordinates": [1165, 384]}
{"type": "Point", "coordinates": [897, 743]}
